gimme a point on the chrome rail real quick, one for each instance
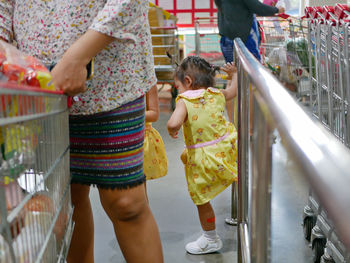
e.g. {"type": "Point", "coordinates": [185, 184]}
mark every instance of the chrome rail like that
{"type": "Point", "coordinates": [265, 105]}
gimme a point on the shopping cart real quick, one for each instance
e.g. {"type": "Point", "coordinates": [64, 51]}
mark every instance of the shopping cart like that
{"type": "Point", "coordinates": [35, 203]}
{"type": "Point", "coordinates": [329, 44]}
{"type": "Point", "coordinates": [166, 54]}
{"type": "Point", "coordinates": [284, 51]}
{"type": "Point", "coordinates": [207, 43]}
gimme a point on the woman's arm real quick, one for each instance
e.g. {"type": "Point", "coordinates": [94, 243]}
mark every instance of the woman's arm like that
{"type": "Point", "coordinates": [152, 107]}
{"type": "Point", "coordinates": [6, 17]}
{"type": "Point", "coordinates": [255, 6]}
{"type": "Point", "coordinates": [118, 19]}
{"type": "Point", "coordinates": [70, 72]}
{"type": "Point", "coordinates": [177, 119]}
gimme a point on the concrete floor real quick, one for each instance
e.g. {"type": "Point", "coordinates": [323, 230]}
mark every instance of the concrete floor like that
{"type": "Point", "coordinates": [178, 222]}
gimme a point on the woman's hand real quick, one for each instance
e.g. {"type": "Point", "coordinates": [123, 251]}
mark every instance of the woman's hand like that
{"type": "Point", "coordinates": [70, 72]}
{"type": "Point", "coordinates": [281, 10]}
{"type": "Point", "coordinates": [69, 75]}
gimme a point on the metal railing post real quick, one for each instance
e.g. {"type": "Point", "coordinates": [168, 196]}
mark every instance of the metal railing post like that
{"type": "Point", "coordinates": [243, 131]}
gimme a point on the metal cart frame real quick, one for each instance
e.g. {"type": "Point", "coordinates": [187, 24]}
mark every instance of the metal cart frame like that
{"type": "Point", "coordinates": [35, 204]}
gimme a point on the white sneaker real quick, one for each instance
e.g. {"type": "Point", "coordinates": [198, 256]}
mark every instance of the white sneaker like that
{"type": "Point", "coordinates": [204, 246]}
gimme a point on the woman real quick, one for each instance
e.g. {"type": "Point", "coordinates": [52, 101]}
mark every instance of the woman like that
{"type": "Point", "coordinates": [107, 117]}
{"type": "Point", "coordinates": [236, 18]}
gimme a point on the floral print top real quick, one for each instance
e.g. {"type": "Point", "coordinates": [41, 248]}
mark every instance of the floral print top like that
{"type": "Point", "coordinates": [124, 70]}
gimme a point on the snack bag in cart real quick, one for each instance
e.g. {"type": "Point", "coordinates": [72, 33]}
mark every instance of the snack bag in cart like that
{"type": "Point", "coordinates": [18, 141]}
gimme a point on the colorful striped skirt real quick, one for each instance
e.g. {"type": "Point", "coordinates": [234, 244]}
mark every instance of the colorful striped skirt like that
{"type": "Point", "coordinates": [106, 149]}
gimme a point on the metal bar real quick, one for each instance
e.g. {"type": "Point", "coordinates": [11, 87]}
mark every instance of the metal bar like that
{"type": "Point", "coordinates": [161, 46]}
{"type": "Point", "coordinates": [320, 157]}
{"type": "Point", "coordinates": [13, 214]}
{"type": "Point", "coordinates": [53, 223]}
{"type": "Point", "coordinates": [7, 232]}
{"type": "Point", "coordinates": [245, 249]}
{"type": "Point", "coordinates": [67, 238]}
{"type": "Point", "coordinates": [346, 30]}
{"type": "Point", "coordinates": [26, 118]}
{"type": "Point", "coordinates": [243, 131]}
{"type": "Point", "coordinates": [197, 40]}
{"type": "Point", "coordinates": [14, 89]}
{"type": "Point", "coordinates": [162, 35]}
{"type": "Point", "coordinates": [261, 184]}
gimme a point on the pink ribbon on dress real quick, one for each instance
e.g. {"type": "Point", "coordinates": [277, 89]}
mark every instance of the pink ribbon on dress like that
{"type": "Point", "coordinates": [203, 144]}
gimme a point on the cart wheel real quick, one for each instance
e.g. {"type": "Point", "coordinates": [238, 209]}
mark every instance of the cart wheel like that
{"type": "Point", "coordinates": [309, 223]}
{"type": "Point", "coordinates": [318, 249]}
{"type": "Point", "coordinates": [173, 97]}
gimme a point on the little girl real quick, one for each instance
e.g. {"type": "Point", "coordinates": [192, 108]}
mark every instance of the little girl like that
{"type": "Point", "coordinates": [210, 154]}
{"type": "Point", "coordinates": [155, 162]}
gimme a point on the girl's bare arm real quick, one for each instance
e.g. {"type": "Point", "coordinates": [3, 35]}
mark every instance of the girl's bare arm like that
{"type": "Point", "coordinates": [231, 91]}
{"type": "Point", "coordinates": [177, 119]}
{"type": "Point", "coordinates": [152, 105]}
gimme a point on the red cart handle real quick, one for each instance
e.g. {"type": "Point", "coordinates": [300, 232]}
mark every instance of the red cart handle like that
{"type": "Point", "coordinates": [341, 10]}
{"type": "Point", "coordinates": [283, 15]}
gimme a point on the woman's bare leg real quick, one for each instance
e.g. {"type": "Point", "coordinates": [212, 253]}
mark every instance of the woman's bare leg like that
{"type": "Point", "coordinates": [82, 245]}
{"type": "Point", "coordinates": [133, 222]}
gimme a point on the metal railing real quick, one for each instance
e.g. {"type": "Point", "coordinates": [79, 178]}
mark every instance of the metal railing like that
{"type": "Point", "coordinates": [263, 106]}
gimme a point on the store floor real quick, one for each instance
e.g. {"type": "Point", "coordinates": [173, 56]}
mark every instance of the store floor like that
{"type": "Point", "coordinates": [178, 222]}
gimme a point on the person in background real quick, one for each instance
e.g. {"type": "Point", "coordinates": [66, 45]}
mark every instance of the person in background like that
{"type": "Point", "coordinates": [277, 3]}
{"type": "Point", "coordinates": [237, 18]}
{"type": "Point", "coordinates": [106, 121]}
{"type": "Point", "coordinates": [210, 157]}
{"type": "Point", "coordinates": [155, 161]}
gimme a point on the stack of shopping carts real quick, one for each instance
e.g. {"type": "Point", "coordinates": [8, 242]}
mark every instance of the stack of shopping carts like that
{"type": "Point", "coordinates": [35, 203]}
{"type": "Point", "coordinates": [329, 46]}
{"type": "Point", "coordinates": [284, 51]}
{"type": "Point", "coordinates": [207, 43]}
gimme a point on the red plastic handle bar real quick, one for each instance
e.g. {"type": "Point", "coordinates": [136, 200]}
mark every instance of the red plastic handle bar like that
{"type": "Point", "coordinates": [283, 15]}
{"type": "Point", "coordinates": [341, 10]}
{"type": "Point", "coordinates": [316, 12]}
{"type": "Point", "coordinates": [327, 11]}
{"type": "Point", "coordinates": [308, 12]}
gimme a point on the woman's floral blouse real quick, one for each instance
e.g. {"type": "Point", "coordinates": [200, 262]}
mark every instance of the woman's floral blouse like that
{"type": "Point", "coordinates": [124, 70]}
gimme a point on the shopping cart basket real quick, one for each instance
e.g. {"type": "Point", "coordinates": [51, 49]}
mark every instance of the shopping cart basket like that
{"type": "Point", "coordinates": [165, 45]}
{"type": "Point", "coordinates": [35, 203]}
{"type": "Point", "coordinates": [328, 32]}
{"type": "Point", "coordinates": [207, 43]}
{"type": "Point", "coordinates": [284, 50]}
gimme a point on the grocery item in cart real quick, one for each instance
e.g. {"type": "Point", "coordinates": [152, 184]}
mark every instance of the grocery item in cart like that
{"type": "Point", "coordinates": [4, 251]}
{"type": "Point", "coordinates": [290, 69]}
{"type": "Point", "coordinates": [300, 47]}
{"type": "Point", "coordinates": [18, 68]}
{"type": "Point", "coordinates": [42, 204]}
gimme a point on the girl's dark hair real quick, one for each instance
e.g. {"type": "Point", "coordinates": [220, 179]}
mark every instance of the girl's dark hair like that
{"type": "Point", "coordinates": [199, 70]}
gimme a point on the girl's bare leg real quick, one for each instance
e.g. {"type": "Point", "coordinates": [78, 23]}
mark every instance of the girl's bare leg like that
{"type": "Point", "coordinates": [133, 222]}
{"type": "Point", "coordinates": [206, 216]}
{"type": "Point", "coordinates": [82, 245]}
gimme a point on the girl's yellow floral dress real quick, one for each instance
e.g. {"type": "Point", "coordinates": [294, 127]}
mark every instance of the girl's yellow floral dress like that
{"type": "Point", "coordinates": [211, 152]}
{"type": "Point", "coordinates": [155, 163]}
